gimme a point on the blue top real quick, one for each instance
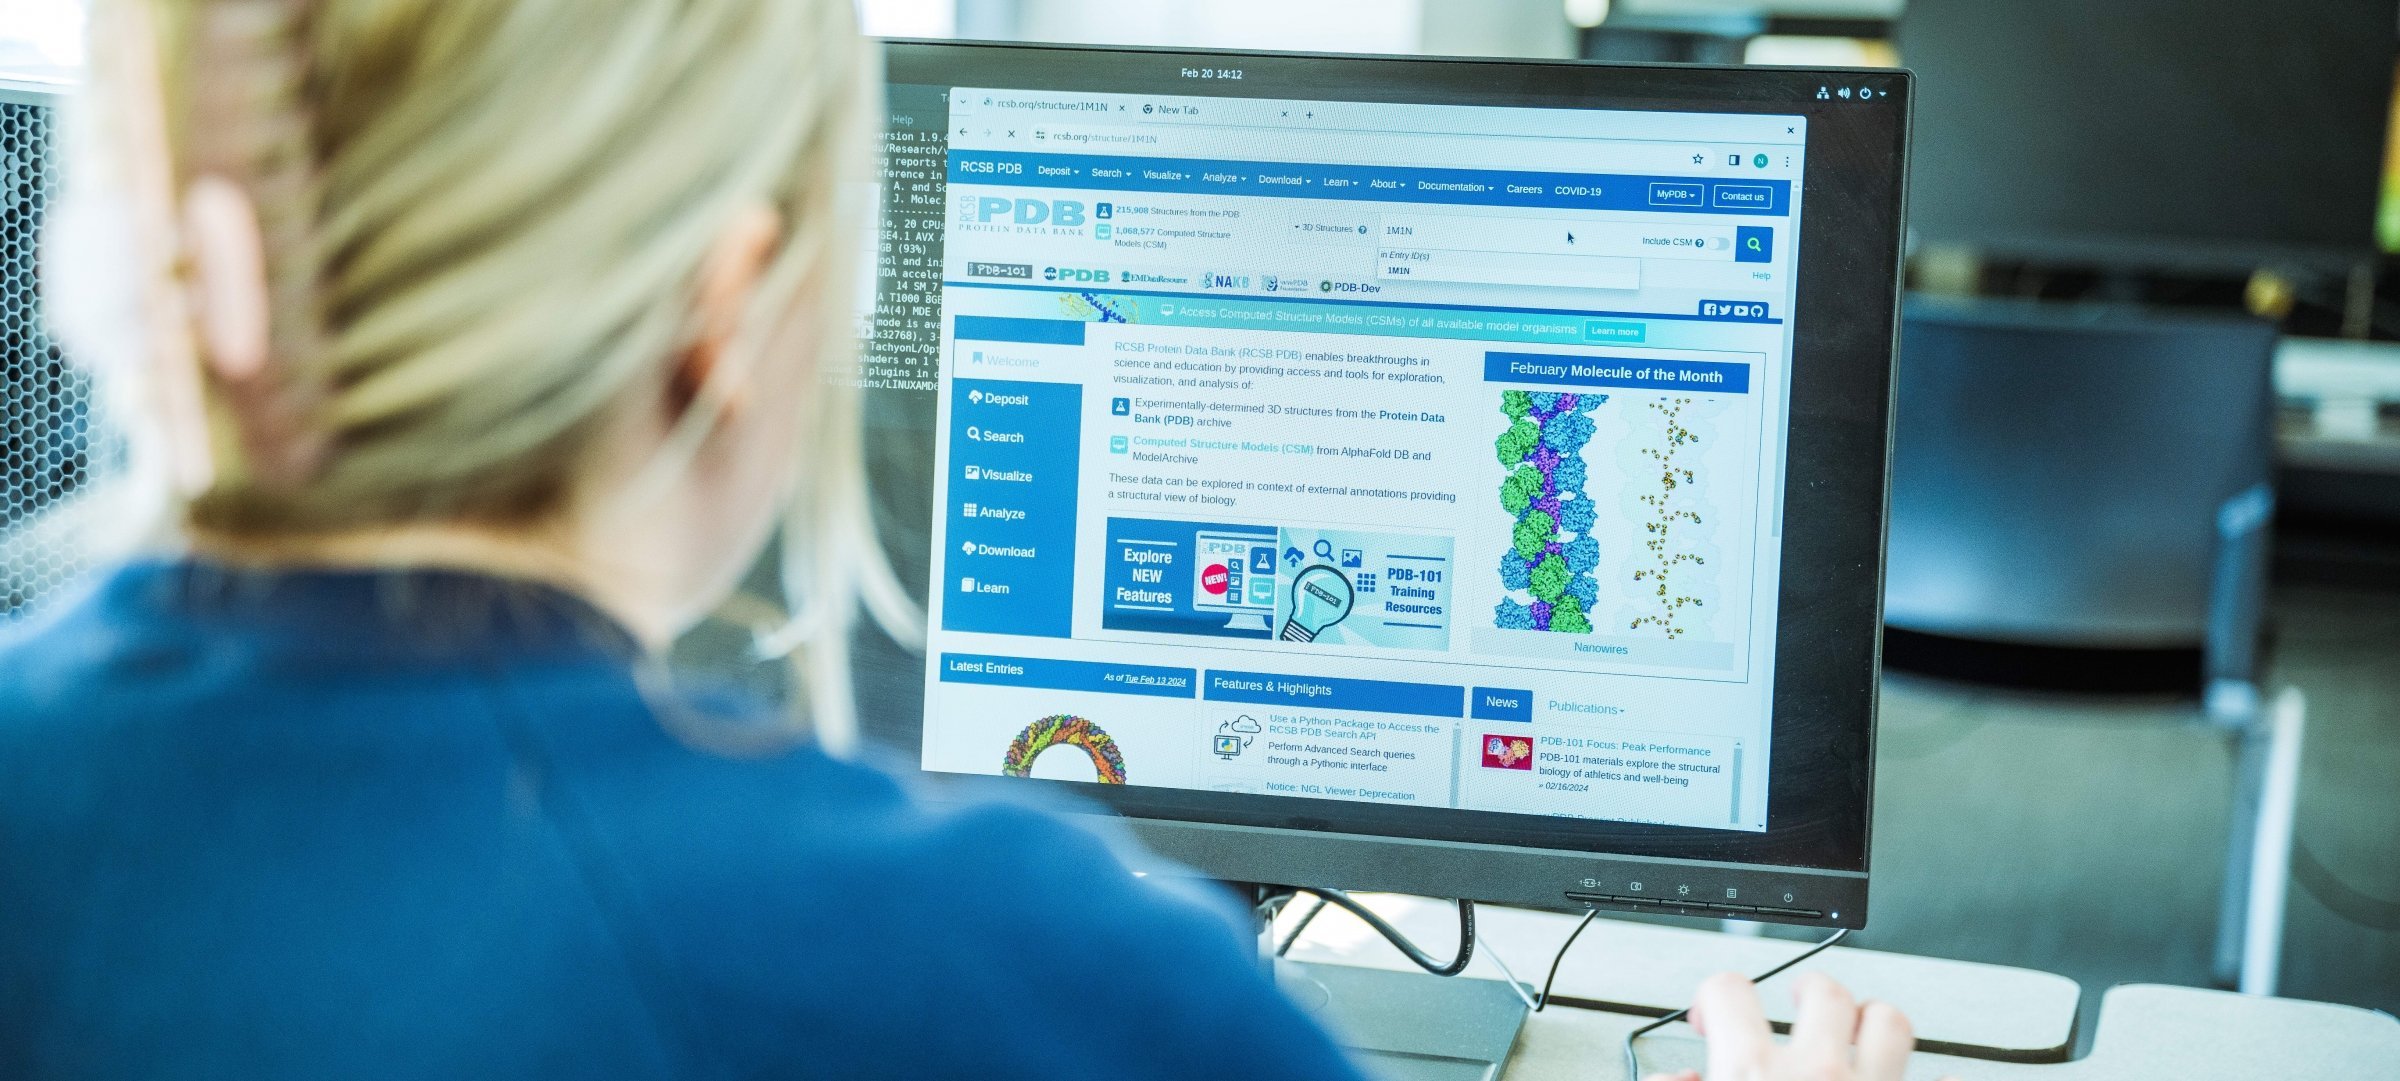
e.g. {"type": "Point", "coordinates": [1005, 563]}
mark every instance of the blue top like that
{"type": "Point", "coordinates": [424, 825]}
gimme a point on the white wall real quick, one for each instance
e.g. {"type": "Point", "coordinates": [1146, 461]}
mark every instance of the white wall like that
{"type": "Point", "coordinates": [1531, 28]}
{"type": "Point", "coordinates": [908, 18]}
{"type": "Point", "coordinates": [41, 40]}
{"type": "Point", "coordinates": [1815, 9]}
{"type": "Point", "coordinates": [1372, 26]}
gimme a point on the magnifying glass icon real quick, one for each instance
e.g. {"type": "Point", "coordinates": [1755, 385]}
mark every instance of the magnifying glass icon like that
{"type": "Point", "coordinates": [1324, 548]}
{"type": "Point", "coordinates": [1754, 245]}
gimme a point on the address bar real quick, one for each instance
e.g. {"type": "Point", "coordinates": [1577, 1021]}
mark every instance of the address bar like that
{"type": "Point", "coordinates": [1422, 150]}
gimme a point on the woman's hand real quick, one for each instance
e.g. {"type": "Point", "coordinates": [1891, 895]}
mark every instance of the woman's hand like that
{"type": "Point", "coordinates": [1833, 1038]}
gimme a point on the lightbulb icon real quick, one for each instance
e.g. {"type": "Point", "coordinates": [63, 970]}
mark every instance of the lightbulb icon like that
{"type": "Point", "coordinates": [1321, 597]}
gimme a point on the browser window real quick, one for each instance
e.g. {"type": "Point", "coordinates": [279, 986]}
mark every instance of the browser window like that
{"type": "Point", "coordinates": [1415, 454]}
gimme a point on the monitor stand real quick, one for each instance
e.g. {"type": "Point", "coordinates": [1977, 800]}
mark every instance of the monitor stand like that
{"type": "Point", "coordinates": [1410, 1026]}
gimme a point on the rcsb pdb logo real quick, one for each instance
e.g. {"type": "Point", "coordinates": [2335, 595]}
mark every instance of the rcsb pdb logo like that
{"type": "Point", "coordinates": [1066, 213]}
{"type": "Point", "coordinates": [1073, 274]}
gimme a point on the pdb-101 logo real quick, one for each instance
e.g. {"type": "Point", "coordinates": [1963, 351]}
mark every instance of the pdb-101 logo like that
{"type": "Point", "coordinates": [1060, 212]}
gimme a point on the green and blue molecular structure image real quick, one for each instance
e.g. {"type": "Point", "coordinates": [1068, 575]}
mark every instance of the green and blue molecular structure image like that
{"type": "Point", "coordinates": [1552, 554]}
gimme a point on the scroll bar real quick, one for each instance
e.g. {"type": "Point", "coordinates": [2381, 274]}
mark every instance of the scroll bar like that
{"type": "Point", "coordinates": [1734, 813]}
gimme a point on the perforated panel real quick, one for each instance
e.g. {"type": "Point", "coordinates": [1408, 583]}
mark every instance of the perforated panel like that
{"type": "Point", "coordinates": [47, 436]}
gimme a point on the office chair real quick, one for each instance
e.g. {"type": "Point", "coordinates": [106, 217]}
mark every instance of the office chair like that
{"type": "Point", "coordinates": [2097, 479]}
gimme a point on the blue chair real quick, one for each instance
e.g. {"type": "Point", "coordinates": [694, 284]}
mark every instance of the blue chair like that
{"type": "Point", "coordinates": [2096, 480]}
{"type": "Point", "coordinates": [2083, 476]}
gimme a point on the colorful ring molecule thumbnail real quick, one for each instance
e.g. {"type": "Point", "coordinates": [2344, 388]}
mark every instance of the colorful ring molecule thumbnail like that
{"type": "Point", "coordinates": [1063, 730]}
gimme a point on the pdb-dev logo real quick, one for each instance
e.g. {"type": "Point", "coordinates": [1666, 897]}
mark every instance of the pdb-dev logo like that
{"type": "Point", "coordinates": [1060, 212]}
{"type": "Point", "coordinates": [1073, 274]}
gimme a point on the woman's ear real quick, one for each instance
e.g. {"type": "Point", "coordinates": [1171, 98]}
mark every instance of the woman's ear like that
{"type": "Point", "coordinates": [729, 277]}
{"type": "Point", "coordinates": [226, 256]}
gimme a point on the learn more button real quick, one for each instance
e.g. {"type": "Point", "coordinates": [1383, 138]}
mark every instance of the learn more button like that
{"type": "Point", "coordinates": [1603, 330]}
{"type": "Point", "coordinates": [1671, 194]}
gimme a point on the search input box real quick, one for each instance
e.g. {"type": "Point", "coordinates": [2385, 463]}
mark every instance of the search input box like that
{"type": "Point", "coordinates": [1547, 236]}
{"type": "Point", "coordinates": [1508, 268]}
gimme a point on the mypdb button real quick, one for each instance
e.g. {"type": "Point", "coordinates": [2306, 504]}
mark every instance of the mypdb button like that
{"type": "Point", "coordinates": [1670, 194]}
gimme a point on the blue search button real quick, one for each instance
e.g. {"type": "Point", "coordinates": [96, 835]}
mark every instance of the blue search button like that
{"type": "Point", "coordinates": [1753, 244]}
{"type": "Point", "coordinates": [1745, 197]}
{"type": "Point", "coordinates": [1678, 194]}
{"type": "Point", "coordinates": [1501, 704]}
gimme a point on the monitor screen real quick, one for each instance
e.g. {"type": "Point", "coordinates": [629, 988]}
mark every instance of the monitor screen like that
{"type": "Point", "coordinates": [1476, 455]}
{"type": "Point", "coordinates": [2152, 133]}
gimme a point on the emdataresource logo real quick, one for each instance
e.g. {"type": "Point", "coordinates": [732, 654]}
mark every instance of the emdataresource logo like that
{"type": "Point", "coordinates": [1073, 274]}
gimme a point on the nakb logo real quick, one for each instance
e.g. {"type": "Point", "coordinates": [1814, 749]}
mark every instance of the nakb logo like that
{"type": "Point", "coordinates": [1067, 213]}
{"type": "Point", "coordinates": [1073, 274]}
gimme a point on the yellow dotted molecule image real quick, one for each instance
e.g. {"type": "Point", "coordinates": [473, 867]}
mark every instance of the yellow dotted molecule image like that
{"type": "Point", "coordinates": [1664, 550]}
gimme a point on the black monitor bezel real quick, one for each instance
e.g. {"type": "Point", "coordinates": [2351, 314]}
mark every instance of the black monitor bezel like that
{"type": "Point", "coordinates": [1829, 623]}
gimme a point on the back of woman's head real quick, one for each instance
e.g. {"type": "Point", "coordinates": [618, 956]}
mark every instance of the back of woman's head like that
{"type": "Point", "coordinates": [483, 221]}
{"type": "Point", "coordinates": [482, 224]}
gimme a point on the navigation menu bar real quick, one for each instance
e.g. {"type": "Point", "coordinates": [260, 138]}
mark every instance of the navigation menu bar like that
{"type": "Point", "coordinates": [1367, 183]}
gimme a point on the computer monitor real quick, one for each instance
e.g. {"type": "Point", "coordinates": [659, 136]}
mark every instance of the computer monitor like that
{"type": "Point", "coordinates": [1454, 477]}
{"type": "Point", "coordinates": [2152, 134]}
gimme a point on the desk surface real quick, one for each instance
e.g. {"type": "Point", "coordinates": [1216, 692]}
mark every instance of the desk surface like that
{"type": "Point", "coordinates": [1999, 1012]}
{"type": "Point", "coordinates": [2146, 1031]}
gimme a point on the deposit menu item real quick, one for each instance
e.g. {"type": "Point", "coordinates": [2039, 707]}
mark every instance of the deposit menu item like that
{"type": "Point", "coordinates": [1427, 455]}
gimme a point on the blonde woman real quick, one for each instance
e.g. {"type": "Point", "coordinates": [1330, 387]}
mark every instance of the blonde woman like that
{"type": "Point", "coordinates": [476, 348]}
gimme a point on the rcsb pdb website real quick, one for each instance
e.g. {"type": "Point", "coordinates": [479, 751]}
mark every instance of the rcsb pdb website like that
{"type": "Point", "coordinates": [1414, 454]}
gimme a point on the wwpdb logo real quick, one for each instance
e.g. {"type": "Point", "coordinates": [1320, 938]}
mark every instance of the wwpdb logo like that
{"type": "Point", "coordinates": [1059, 212]}
{"type": "Point", "coordinates": [1073, 274]}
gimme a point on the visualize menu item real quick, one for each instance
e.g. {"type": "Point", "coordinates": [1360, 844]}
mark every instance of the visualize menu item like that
{"type": "Point", "coordinates": [1424, 455]}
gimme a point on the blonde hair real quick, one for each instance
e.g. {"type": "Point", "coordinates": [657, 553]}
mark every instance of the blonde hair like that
{"type": "Point", "coordinates": [484, 224]}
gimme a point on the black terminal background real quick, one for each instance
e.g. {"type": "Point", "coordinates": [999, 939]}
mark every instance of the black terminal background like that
{"type": "Point", "coordinates": [1829, 620]}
